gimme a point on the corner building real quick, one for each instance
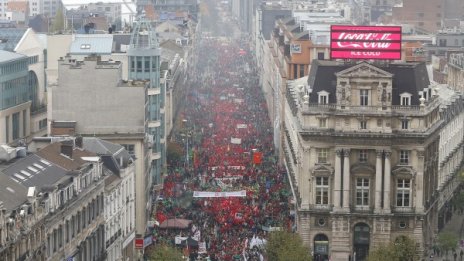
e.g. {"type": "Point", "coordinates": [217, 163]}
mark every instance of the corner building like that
{"type": "Point", "coordinates": [361, 148]}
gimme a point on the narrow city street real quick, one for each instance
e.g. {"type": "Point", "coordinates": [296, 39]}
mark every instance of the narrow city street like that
{"type": "Point", "coordinates": [226, 192]}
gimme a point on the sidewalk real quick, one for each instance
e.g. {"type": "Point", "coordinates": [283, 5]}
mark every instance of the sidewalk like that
{"type": "Point", "coordinates": [455, 226]}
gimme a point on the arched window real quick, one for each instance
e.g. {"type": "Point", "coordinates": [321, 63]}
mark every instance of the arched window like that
{"type": "Point", "coordinates": [321, 247]}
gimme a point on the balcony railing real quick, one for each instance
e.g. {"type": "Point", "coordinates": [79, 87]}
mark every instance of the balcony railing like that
{"type": "Point", "coordinates": [321, 208]}
{"type": "Point", "coordinates": [362, 209]}
{"type": "Point", "coordinates": [316, 107]}
{"type": "Point", "coordinates": [403, 209]}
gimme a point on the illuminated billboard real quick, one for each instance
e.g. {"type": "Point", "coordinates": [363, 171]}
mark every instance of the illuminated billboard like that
{"type": "Point", "coordinates": [365, 42]}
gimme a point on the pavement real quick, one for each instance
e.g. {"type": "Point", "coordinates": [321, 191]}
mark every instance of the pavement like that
{"type": "Point", "coordinates": [456, 226]}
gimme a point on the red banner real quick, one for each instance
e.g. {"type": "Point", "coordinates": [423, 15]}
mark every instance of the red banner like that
{"type": "Point", "coordinates": [257, 157]}
{"type": "Point", "coordinates": [139, 243]}
{"type": "Point", "coordinates": [365, 42]}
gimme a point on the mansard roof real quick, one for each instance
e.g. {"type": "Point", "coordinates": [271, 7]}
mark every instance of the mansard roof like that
{"type": "Point", "coordinates": [406, 77]}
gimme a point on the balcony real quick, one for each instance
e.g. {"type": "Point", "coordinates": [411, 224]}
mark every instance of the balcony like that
{"type": "Point", "coordinates": [315, 108]}
{"type": "Point", "coordinates": [320, 208]}
{"type": "Point", "coordinates": [404, 210]}
{"type": "Point", "coordinates": [361, 209]}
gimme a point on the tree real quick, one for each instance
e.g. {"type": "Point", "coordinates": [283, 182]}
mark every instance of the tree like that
{"type": "Point", "coordinates": [58, 21]}
{"type": "Point", "coordinates": [382, 253]}
{"type": "Point", "coordinates": [163, 252]}
{"type": "Point", "coordinates": [405, 249]}
{"type": "Point", "coordinates": [174, 153]}
{"type": "Point", "coordinates": [402, 249]}
{"type": "Point", "coordinates": [447, 241]}
{"type": "Point", "coordinates": [283, 245]}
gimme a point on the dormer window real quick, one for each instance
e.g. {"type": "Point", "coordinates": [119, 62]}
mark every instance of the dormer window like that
{"type": "Point", "coordinates": [323, 97]}
{"type": "Point", "coordinates": [405, 99]}
{"type": "Point", "coordinates": [425, 94]}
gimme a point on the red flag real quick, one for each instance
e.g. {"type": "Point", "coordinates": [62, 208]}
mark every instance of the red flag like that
{"type": "Point", "coordinates": [257, 157]}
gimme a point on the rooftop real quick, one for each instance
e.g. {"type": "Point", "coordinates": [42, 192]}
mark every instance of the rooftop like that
{"type": "Point", "coordinates": [34, 171]}
{"type": "Point", "coordinates": [92, 44]}
{"type": "Point", "coordinates": [10, 37]}
{"type": "Point", "coordinates": [407, 77]}
{"type": "Point", "coordinates": [12, 194]}
{"type": "Point", "coordinates": [53, 154]}
{"type": "Point", "coordinates": [6, 56]}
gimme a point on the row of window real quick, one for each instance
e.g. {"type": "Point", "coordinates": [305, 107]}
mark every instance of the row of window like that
{"type": "Point", "coordinates": [363, 192]}
{"type": "Point", "coordinates": [75, 225]}
{"type": "Point", "coordinates": [33, 59]}
{"type": "Point", "coordinates": [363, 124]}
{"type": "Point", "coordinates": [364, 98]}
{"type": "Point", "coordinates": [14, 131]}
{"type": "Point", "coordinates": [13, 67]}
{"type": "Point", "coordinates": [298, 70]}
{"type": "Point", "coordinates": [323, 155]}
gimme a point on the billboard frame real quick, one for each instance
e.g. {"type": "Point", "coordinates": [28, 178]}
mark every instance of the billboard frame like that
{"type": "Point", "coordinates": [396, 52]}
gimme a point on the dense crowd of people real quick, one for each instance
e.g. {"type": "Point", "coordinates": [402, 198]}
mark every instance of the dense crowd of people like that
{"type": "Point", "coordinates": [230, 148]}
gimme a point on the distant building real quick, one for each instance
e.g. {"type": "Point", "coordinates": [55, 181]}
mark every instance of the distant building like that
{"type": "Point", "coordinates": [112, 12]}
{"type": "Point", "coordinates": [456, 72]}
{"type": "Point", "coordinates": [424, 14]}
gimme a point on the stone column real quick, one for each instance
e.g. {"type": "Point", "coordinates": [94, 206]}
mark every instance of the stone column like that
{"type": "Point", "coordinates": [418, 203]}
{"type": "Point", "coordinates": [387, 186]}
{"type": "Point", "coordinates": [378, 181]}
{"type": "Point", "coordinates": [337, 179]}
{"type": "Point", "coordinates": [304, 176]}
{"type": "Point", "coordinates": [346, 179]}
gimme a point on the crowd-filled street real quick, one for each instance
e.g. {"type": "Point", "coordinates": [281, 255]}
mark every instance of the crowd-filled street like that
{"type": "Point", "coordinates": [228, 191]}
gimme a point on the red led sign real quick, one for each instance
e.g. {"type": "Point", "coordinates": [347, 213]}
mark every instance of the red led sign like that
{"type": "Point", "coordinates": [365, 42]}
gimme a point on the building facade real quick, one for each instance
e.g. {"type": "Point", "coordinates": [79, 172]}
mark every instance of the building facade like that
{"type": "Point", "coordinates": [16, 97]}
{"type": "Point", "coordinates": [28, 43]}
{"type": "Point", "coordinates": [144, 65]}
{"type": "Point", "coordinates": [119, 207]}
{"type": "Point", "coordinates": [362, 151]}
{"type": "Point", "coordinates": [123, 125]}
{"type": "Point", "coordinates": [456, 72]}
{"type": "Point", "coordinates": [57, 198]}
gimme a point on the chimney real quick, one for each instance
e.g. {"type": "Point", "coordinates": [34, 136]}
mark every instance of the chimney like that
{"type": "Point", "coordinates": [79, 142]}
{"type": "Point", "coordinates": [67, 148]}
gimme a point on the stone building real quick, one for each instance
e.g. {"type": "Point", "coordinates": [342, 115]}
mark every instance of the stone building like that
{"type": "Point", "coordinates": [53, 204]}
{"type": "Point", "coordinates": [362, 150]}
{"type": "Point", "coordinates": [456, 71]}
{"type": "Point", "coordinates": [119, 207]}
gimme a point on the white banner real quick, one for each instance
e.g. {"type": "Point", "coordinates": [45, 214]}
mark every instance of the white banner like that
{"type": "Point", "coordinates": [178, 240]}
{"type": "Point", "coordinates": [201, 247]}
{"type": "Point", "coordinates": [242, 126]}
{"type": "Point", "coordinates": [235, 140]}
{"type": "Point", "coordinates": [238, 101]}
{"type": "Point", "coordinates": [212, 194]}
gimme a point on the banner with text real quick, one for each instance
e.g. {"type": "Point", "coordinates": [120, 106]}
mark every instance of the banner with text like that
{"type": "Point", "coordinates": [212, 194]}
